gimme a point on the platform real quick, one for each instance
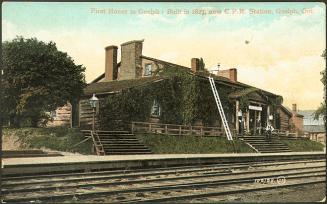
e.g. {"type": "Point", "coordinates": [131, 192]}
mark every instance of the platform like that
{"type": "Point", "coordinates": [13, 166]}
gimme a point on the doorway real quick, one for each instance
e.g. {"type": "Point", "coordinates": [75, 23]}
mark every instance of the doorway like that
{"type": "Point", "coordinates": [255, 122]}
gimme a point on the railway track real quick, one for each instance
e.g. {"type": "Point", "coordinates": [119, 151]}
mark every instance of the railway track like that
{"type": "Point", "coordinates": [162, 184]}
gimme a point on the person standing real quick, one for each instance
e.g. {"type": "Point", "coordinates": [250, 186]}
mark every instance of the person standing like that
{"type": "Point", "coordinates": [269, 130]}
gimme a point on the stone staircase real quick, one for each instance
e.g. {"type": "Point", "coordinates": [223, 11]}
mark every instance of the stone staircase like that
{"type": "Point", "coordinates": [262, 145]}
{"type": "Point", "coordinates": [120, 143]}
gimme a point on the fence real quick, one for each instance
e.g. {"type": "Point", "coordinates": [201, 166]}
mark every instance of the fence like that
{"type": "Point", "coordinates": [290, 135]}
{"type": "Point", "coordinates": [173, 129]}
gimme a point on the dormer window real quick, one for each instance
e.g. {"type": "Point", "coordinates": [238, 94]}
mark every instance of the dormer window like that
{"type": "Point", "coordinates": [155, 110]}
{"type": "Point", "coordinates": [148, 70]}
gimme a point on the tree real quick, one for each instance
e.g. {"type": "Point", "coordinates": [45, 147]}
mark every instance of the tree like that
{"type": "Point", "coordinates": [37, 79]}
{"type": "Point", "coordinates": [202, 64]}
{"type": "Point", "coordinates": [321, 111]}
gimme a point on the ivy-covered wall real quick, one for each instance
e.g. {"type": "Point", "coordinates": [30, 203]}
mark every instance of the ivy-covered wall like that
{"type": "Point", "coordinates": [184, 98]}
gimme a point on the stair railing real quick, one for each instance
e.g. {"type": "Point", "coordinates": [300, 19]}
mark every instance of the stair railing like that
{"type": "Point", "coordinates": [97, 143]}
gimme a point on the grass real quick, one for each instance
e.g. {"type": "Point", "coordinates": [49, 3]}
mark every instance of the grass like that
{"type": "Point", "coordinates": [303, 145]}
{"type": "Point", "coordinates": [166, 144]}
{"type": "Point", "coordinates": [54, 138]}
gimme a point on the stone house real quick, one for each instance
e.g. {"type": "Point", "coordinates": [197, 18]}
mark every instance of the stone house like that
{"type": "Point", "coordinates": [136, 69]}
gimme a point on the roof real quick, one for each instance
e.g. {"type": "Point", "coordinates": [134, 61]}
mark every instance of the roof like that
{"type": "Point", "coordinates": [243, 92]}
{"type": "Point", "coordinates": [220, 79]}
{"type": "Point", "coordinates": [314, 128]}
{"type": "Point", "coordinates": [102, 75]}
{"type": "Point", "coordinates": [286, 110]}
{"type": "Point", "coordinates": [165, 62]}
{"type": "Point", "coordinates": [252, 92]}
{"type": "Point", "coordinates": [308, 118]}
{"type": "Point", "coordinates": [296, 114]}
{"type": "Point", "coordinates": [204, 74]}
{"type": "Point", "coordinates": [118, 85]}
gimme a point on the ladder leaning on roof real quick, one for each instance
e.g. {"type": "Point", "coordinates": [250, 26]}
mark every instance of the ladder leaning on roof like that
{"type": "Point", "coordinates": [220, 108]}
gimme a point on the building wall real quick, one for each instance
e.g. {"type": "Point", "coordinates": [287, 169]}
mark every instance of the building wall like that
{"type": "Point", "coordinates": [298, 122]}
{"type": "Point", "coordinates": [155, 65]}
{"type": "Point", "coordinates": [284, 120]}
{"type": "Point", "coordinates": [86, 115]}
{"type": "Point", "coordinates": [61, 116]}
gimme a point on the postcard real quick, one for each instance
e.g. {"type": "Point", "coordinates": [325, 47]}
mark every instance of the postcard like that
{"type": "Point", "coordinates": [110, 102]}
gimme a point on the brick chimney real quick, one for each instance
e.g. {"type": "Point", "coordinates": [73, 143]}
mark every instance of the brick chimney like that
{"type": "Point", "coordinates": [131, 62]}
{"type": "Point", "coordinates": [111, 69]}
{"type": "Point", "coordinates": [231, 74]}
{"type": "Point", "coordinates": [195, 64]}
{"type": "Point", "coordinates": [294, 107]}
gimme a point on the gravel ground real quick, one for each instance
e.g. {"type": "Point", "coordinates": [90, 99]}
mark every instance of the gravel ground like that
{"type": "Point", "coordinates": [308, 193]}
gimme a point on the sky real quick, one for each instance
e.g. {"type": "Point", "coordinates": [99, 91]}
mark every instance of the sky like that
{"type": "Point", "coordinates": [274, 46]}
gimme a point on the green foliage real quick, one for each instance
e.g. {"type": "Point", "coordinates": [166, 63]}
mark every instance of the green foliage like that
{"type": "Point", "coordinates": [55, 138]}
{"type": "Point", "coordinates": [166, 144]}
{"type": "Point", "coordinates": [183, 98]}
{"type": "Point", "coordinates": [244, 98]}
{"type": "Point", "coordinates": [321, 111]}
{"type": "Point", "coordinates": [202, 64]}
{"type": "Point", "coordinates": [244, 103]}
{"type": "Point", "coordinates": [303, 145]}
{"type": "Point", "coordinates": [135, 105]}
{"type": "Point", "coordinates": [37, 79]}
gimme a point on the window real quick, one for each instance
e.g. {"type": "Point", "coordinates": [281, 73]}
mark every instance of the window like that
{"type": "Point", "coordinates": [155, 111]}
{"type": "Point", "coordinates": [53, 114]}
{"type": "Point", "coordinates": [148, 70]}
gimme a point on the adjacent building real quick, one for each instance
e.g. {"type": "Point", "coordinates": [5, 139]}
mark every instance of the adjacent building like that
{"type": "Point", "coordinates": [313, 128]}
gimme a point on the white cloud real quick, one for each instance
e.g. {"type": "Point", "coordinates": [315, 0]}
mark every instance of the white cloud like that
{"type": "Point", "coordinates": [9, 30]}
{"type": "Point", "coordinates": [297, 81]}
{"type": "Point", "coordinates": [282, 57]}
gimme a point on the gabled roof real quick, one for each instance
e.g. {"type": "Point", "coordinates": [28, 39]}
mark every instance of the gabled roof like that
{"type": "Point", "coordinates": [296, 114]}
{"type": "Point", "coordinates": [165, 62]}
{"type": "Point", "coordinates": [202, 74]}
{"type": "Point", "coordinates": [116, 86]}
{"type": "Point", "coordinates": [308, 118]}
{"type": "Point", "coordinates": [243, 92]}
{"type": "Point", "coordinates": [286, 110]}
{"type": "Point", "coordinates": [253, 93]}
{"type": "Point", "coordinates": [314, 128]}
{"type": "Point", "coordinates": [227, 81]}
{"type": "Point", "coordinates": [102, 75]}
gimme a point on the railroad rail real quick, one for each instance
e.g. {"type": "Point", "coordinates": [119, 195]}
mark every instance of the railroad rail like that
{"type": "Point", "coordinates": [162, 184]}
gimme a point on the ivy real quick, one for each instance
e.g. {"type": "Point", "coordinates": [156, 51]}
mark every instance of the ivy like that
{"type": "Point", "coordinates": [244, 103]}
{"type": "Point", "coordinates": [183, 97]}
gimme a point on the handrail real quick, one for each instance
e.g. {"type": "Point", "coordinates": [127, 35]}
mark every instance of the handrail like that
{"type": "Point", "coordinates": [173, 129]}
{"type": "Point", "coordinates": [98, 150]}
{"type": "Point", "coordinates": [80, 142]}
{"type": "Point", "coordinates": [175, 125]}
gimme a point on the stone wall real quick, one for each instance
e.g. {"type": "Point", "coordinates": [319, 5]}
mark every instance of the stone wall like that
{"type": "Point", "coordinates": [131, 62]}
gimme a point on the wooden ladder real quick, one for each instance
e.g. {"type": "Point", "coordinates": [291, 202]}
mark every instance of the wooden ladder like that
{"type": "Point", "coordinates": [220, 109]}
